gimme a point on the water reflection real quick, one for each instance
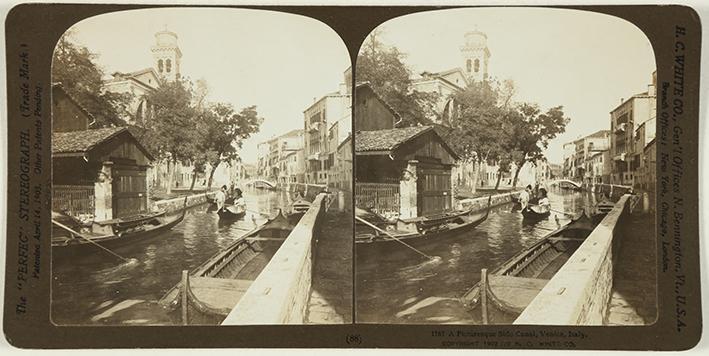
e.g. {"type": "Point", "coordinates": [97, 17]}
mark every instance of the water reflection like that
{"type": "Point", "coordinates": [94, 287]}
{"type": "Point", "coordinates": [397, 285]}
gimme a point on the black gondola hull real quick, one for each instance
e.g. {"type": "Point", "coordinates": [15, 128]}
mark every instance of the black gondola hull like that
{"type": "Point", "coordinates": [78, 245]}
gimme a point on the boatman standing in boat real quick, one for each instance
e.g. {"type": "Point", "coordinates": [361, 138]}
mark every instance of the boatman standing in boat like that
{"type": "Point", "coordinates": [524, 196]}
{"type": "Point", "coordinates": [543, 200]}
{"type": "Point", "coordinates": [220, 198]}
{"type": "Point", "coordinates": [239, 202]}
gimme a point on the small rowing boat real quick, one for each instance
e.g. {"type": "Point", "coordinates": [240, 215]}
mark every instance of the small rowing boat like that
{"type": "Point", "coordinates": [208, 293]}
{"type": "Point", "coordinates": [601, 209]}
{"type": "Point", "coordinates": [500, 296]}
{"type": "Point", "coordinates": [298, 209]}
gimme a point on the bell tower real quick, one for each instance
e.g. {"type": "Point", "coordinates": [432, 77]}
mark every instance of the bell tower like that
{"type": "Point", "coordinates": [476, 56]}
{"type": "Point", "coordinates": [166, 55]}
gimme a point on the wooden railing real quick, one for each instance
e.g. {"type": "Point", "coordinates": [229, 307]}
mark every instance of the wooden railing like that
{"type": "Point", "coordinates": [381, 198]}
{"type": "Point", "coordinates": [75, 200]}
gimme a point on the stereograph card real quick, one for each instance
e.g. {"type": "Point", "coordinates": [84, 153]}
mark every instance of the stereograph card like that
{"type": "Point", "coordinates": [352, 177]}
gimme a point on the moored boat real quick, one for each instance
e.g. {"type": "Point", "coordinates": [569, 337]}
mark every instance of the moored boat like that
{"type": "Point", "coordinates": [422, 229]}
{"type": "Point", "coordinates": [208, 293]}
{"type": "Point", "coordinates": [601, 209]}
{"type": "Point", "coordinates": [501, 295]}
{"type": "Point", "coordinates": [70, 233]}
{"type": "Point", "coordinates": [297, 209]}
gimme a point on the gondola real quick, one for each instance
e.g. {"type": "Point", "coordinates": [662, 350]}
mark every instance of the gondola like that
{"type": "Point", "coordinates": [535, 212]}
{"type": "Point", "coordinates": [69, 233]}
{"type": "Point", "coordinates": [227, 201]}
{"type": "Point", "coordinates": [510, 288]}
{"type": "Point", "coordinates": [230, 213]}
{"type": "Point", "coordinates": [209, 292]}
{"type": "Point", "coordinates": [518, 206]}
{"type": "Point", "coordinates": [419, 230]}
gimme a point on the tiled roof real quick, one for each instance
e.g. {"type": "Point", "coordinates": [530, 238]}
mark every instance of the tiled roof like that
{"type": "Point", "coordinates": [386, 140]}
{"type": "Point", "coordinates": [82, 141]}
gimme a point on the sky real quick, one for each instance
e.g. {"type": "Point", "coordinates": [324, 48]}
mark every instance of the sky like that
{"type": "Point", "coordinates": [584, 61]}
{"type": "Point", "coordinates": [279, 62]}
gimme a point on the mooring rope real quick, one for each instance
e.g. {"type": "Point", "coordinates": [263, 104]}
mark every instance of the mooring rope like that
{"type": "Point", "coordinates": [396, 239]}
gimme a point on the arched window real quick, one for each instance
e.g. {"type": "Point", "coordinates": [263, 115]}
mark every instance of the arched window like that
{"type": "Point", "coordinates": [468, 65]}
{"type": "Point", "coordinates": [168, 65]}
{"type": "Point", "coordinates": [477, 65]}
{"type": "Point", "coordinates": [160, 65]}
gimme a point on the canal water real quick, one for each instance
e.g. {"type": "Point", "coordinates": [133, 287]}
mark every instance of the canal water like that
{"type": "Point", "coordinates": [397, 285]}
{"type": "Point", "coordinates": [96, 288]}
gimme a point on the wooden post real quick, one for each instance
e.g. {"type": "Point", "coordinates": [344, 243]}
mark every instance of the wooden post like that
{"type": "Point", "coordinates": [185, 296]}
{"type": "Point", "coordinates": [103, 193]}
{"type": "Point", "coordinates": [408, 191]}
{"type": "Point", "coordinates": [483, 294]}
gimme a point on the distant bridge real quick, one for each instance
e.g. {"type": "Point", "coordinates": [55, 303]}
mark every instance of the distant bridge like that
{"type": "Point", "coordinates": [261, 183]}
{"type": "Point", "coordinates": [565, 181]}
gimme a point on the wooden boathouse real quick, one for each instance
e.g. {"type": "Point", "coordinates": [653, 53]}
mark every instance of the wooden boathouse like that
{"type": "Point", "coordinates": [404, 172]}
{"type": "Point", "coordinates": [98, 174]}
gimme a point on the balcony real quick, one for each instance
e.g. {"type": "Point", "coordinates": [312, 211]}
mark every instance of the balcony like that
{"type": "Point", "coordinates": [621, 128]}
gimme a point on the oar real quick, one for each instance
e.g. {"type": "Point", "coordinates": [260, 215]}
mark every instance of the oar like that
{"type": "Point", "coordinates": [561, 212]}
{"type": "Point", "coordinates": [396, 239]}
{"type": "Point", "coordinates": [78, 234]}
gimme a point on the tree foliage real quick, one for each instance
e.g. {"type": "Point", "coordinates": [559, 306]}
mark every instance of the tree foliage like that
{"type": "Point", "coordinates": [172, 130]}
{"type": "Point", "coordinates": [383, 68]}
{"type": "Point", "coordinates": [223, 131]}
{"type": "Point", "coordinates": [73, 66]}
{"type": "Point", "coordinates": [490, 127]}
{"type": "Point", "coordinates": [531, 131]}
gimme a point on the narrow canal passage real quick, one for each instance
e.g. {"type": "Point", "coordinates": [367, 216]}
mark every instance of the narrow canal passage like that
{"type": "Point", "coordinates": [97, 288]}
{"type": "Point", "coordinates": [397, 285]}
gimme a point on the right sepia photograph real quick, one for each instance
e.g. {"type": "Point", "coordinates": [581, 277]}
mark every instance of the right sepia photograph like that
{"type": "Point", "coordinates": [504, 170]}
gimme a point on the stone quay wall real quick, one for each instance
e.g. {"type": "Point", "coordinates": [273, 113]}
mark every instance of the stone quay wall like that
{"type": "Point", "coordinates": [280, 294]}
{"type": "Point", "coordinates": [175, 204]}
{"type": "Point", "coordinates": [480, 203]}
{"type": "Point", "coordinates": [580, 293]}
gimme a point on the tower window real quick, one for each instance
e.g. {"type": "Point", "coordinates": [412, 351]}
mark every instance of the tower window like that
{"type": "Point", "coordinates": [160, 65]}
{"type": "Point", "coordinates": [477, 65]}
{"type": "Point", "coordinates": [168, 65]}
{"type": "Point", "coordinates": [468, 65]}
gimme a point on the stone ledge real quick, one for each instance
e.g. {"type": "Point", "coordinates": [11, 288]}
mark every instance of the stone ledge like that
{"type": "Point", "coordinates": [175, 204]}
{"type": "Point", "coordinates": [480, 203]}
{"type": "Point", "coordinates": [280, 294]}
{"type": "Point", "coordinates": [580, 293]}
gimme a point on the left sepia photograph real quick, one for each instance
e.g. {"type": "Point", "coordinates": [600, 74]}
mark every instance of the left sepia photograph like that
{"type": "Point", "coordinates": [201, 170]}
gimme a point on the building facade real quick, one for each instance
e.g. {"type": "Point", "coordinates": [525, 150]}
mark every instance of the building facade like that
{"type": "Point", "coordinates": [326, 122]}
{"type": "Point", "coordinates": [280, 159]}
{"type": "Point", "coordinates": [626, 119]}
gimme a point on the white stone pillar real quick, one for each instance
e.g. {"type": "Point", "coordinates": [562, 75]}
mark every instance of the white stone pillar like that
{"type": "Point", "coordinates": [103, 193]}
{"type": "Point", "coordinates": [408, 196]}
